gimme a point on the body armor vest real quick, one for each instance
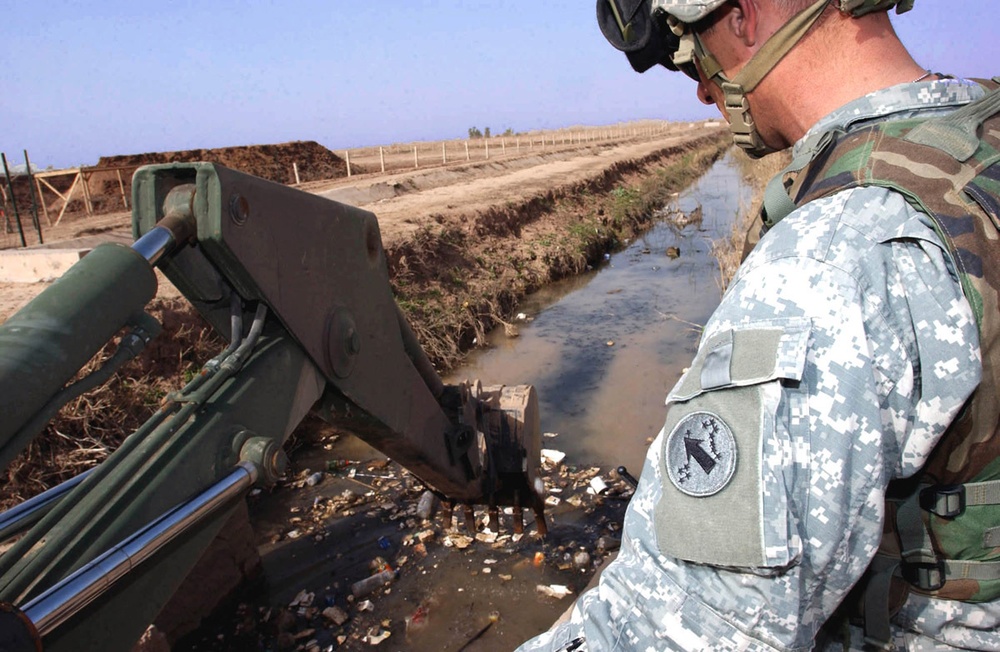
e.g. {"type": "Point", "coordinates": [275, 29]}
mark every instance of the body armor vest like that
{"type": "Point", "coordinates": [942, 531]}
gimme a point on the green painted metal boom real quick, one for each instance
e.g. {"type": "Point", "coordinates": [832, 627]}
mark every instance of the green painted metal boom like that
{"type": "Point", "coordinates": [299, 286]}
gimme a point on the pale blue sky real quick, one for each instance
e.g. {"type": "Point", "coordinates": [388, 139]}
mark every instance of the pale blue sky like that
{"type": "Point", "coordinates": [86, 79]}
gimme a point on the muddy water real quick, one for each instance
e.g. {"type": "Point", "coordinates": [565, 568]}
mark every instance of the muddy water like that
{"type": "Point", "coordinates": [603, 349]}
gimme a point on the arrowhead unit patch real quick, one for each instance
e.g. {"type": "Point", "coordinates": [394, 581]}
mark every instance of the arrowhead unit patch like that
{"type": "Point", "coordinates": [701, 454]}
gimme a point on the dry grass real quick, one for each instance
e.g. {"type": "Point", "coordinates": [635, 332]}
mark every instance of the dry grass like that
{"type": "Point", "coordinates": [729, 252]}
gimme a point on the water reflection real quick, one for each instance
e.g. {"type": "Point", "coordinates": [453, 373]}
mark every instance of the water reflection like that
{"type": "Point", "coordinates": [604, 348]}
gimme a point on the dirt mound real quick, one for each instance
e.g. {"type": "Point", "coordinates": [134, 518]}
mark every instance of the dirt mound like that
{"type": "Point", "coordinates": [273, 162]}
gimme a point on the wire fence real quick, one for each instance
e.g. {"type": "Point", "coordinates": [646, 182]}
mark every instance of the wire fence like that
{"type": "Point", "coordinates": [384, 159]}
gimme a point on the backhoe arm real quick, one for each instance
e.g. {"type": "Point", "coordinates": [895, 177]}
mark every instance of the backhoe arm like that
{"type": "Point", "coordinates": [299, 286]}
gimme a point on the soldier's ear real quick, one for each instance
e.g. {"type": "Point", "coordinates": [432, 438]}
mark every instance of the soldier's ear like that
{"type": "Point", "coordinates": [743, 21]}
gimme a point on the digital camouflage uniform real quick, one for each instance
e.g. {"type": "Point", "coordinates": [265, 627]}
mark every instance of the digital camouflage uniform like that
{"type": "Point", "coordinates": [839, 355]}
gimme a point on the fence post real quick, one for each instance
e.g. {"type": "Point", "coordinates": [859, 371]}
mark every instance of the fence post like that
{"type": "Point", "coordinates": [13, 200]}
{"type": "Point", "coordinates": [416, 163]}
{"type": "Point", "coordinates": [444, 156]}
{"type": "Point", "coordinates": [467, 151]}
{"type": "Point", "coordinates": [487, 141]}
{"type": "Point", "coordinates": [34, 203]}
{"type": "Point", "coordinates": [347, 156]}
{"type": "Point", "coordinates": [121, 187]}
{"type": "Point", "coordinates": [41, 200]}
{"type": "Point", "coordinates": [503, 147]}
{"type": "Point", "coordinates": [295, 169]}
{"type": "Point", "coordinates": [86, 191]}
{"type": "Point", "coordinates": [381, 158]}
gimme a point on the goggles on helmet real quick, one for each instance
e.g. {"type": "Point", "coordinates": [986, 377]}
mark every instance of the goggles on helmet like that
{"type": "Point", "coordinates": [642, 34]}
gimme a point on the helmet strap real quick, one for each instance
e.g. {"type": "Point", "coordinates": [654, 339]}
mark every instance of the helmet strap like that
{"type": "Point", "coordinates": [735, 91]}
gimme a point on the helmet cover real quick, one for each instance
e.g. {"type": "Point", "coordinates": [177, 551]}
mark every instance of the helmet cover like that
{"type": "Point", "coordinates": [646, 43]}
{"type": "Point", "coordinates": [687, 11]}
{"type": "Point", "coordinates": [691, 11]}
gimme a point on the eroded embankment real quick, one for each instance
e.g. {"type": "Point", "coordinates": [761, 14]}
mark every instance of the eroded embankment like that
{"type": "Point", "coordinates": [456, 278]}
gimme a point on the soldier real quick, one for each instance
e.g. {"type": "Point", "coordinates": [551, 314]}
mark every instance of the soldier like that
{"type": "Point", "coordinates": [834, 392]}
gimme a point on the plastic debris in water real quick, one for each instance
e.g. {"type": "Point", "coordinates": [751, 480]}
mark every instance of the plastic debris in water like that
{"type": "Point", "coordinates": [557, 591]}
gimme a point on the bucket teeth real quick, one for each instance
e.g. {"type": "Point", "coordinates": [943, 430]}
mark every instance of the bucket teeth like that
{"type": "Point", "coordinates": [447, 512]}
{"type": "Point", "coordinates": [540, 524]}
{"type": "Point", "coordinates": [494, 521]}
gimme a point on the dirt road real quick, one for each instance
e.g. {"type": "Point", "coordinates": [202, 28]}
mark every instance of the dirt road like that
{"type": "Point", "coordinates": [403, 202]}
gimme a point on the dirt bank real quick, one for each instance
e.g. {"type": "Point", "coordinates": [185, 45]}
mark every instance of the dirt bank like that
{"type": "Point", "coordinates": [462, 272]}
{"type": "Point", "coordinates": [109, 184]}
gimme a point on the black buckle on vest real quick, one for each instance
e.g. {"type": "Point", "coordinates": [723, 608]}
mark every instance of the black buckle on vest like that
{"type": "Point", "coordinates": [945, 500]}
{"type": "Point", "coordinates": [926, 576]}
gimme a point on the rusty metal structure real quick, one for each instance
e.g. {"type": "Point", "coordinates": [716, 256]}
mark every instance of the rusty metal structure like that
{"type": "Point", "coordinates": [299, 286]}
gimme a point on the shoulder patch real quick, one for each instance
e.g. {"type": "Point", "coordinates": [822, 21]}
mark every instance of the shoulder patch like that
{"type": "Point", "coordinates": [701, 454]}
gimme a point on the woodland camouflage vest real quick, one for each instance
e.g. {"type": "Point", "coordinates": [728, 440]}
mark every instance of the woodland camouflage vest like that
{"type": "Point", "coordinates": [943, 530]}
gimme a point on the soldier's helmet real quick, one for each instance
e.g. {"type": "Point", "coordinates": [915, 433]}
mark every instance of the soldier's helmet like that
{"type": "Point", "coordinates": [640, 29]}
{"type": "Point", "coordinates": [664, 32]}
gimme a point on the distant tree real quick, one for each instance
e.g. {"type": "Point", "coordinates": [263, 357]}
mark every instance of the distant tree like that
{"type": "Point", "coordinates": [486, 132]}
{"type": "Point", "coordinates": [475, 133]}
{"type": "Point", "coordinates": [508, 132]}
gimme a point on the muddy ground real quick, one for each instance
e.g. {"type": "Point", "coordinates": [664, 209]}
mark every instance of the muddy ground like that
{"type": "Point", "coordinates": [464, 242]}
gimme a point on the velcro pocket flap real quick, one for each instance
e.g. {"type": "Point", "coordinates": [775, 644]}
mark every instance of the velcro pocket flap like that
{"type": "Point", "coordinates": [746, 356]}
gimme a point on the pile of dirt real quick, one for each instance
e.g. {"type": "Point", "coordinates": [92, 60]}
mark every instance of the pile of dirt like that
{"type": "Point", "coordinates": [273, 162]}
